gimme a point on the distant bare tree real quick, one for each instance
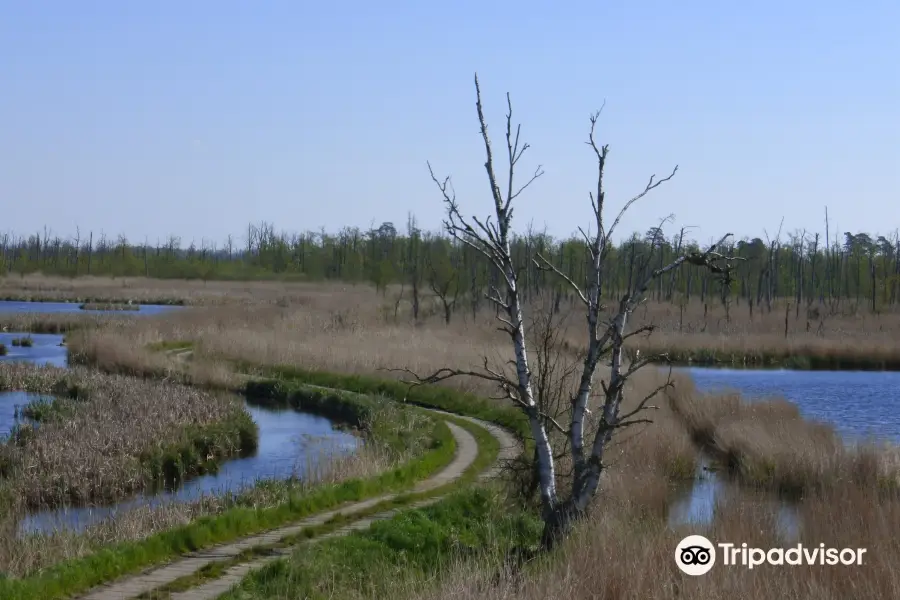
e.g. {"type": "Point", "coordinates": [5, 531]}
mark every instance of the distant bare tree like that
{"type": "Point", "coordinates": [606, 336]}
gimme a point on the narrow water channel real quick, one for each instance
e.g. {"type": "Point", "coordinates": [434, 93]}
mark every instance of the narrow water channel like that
{"type": "Point", "coordinates": [290, 445]}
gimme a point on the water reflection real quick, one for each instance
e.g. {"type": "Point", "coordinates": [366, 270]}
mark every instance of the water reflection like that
{"type": "Point", "coordinates": [710, 492]}
{"type": "Point", "coordinates": [15, 306]}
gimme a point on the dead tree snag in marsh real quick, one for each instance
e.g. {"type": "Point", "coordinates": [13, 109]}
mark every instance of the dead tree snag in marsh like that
{"type": "Point", "coordinates": [606, 331]}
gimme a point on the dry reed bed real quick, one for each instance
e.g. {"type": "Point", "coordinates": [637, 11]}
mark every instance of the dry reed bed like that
{"type": "Point", "coordinates": [769, 444]}
{"type": "Point", "coordinates": [21, 555]}
{"type": "Point", "coordinates": [110, 436]}
{"type": "Point", "coordinates": [849, 338]}
{"type": "Point", "coordinates": [625, 550]}
{"type": "Point", "coordinates": [712, 318]}
{"type": "Point", "coordinates": [619, 554]}
{"type": "Point", "coordinates": [141, 290]}
{"type": "Point", "coordinates": [697, 331]}
{"type": "Point", "coordinates": [626, 537]}
{"type": "Point", "coordinates": [51, 322]}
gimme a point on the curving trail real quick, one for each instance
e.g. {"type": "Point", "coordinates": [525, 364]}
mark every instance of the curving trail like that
{"type": "Point", "coordinates": [135, 585]}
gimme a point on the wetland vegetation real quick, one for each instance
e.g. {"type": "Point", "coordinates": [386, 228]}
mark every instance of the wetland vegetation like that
{"type": "Point", "coordinates": [842, 494]}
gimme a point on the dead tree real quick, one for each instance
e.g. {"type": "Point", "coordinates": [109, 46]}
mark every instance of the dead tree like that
{"type": "Point", "coordinates": [606, 337]}
{"type": "Point", "coordinates": [443, 279]}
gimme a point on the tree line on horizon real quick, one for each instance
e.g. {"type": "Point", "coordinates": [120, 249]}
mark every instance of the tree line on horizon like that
{"type": "Point", "coordinates": [854, 268]}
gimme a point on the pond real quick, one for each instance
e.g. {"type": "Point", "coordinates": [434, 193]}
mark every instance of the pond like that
{"type": "Point", "coordinates": [857, 403]}
{"type": "Point", "coordinates": [697, 503]}
{"type": "Point", "coordinates": [290, 443]}
{"type": "Point", "coordinates": [13, 306]}
{"type": "Point", "coordinates": [46, 349]}
{"type": "Point", "coordinates": [10, 405]}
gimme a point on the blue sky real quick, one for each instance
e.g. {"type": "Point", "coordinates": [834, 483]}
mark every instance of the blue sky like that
{"type": "Point", "coordinates": [195, 118]}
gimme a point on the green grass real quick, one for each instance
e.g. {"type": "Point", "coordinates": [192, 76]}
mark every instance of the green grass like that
{"type": "Point", "coordinates": [416, 544]}
{"type": "Point", "coordinates": [45, 408]}
{"type": "Point", "coordinates": [72, 577]}
{"type": "Point", "coordinates": [430, 396]}
{"type": "Point", "coordinates": [24, 342]}
{"type": "Point", "coordinates": [3, 350]}
{"type": "Point", "coordinates": [488, 450]}
{"type": "Point", "coordinates": [291, 386]}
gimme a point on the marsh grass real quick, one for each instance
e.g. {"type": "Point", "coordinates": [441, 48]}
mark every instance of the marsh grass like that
{"type": "Point", "coordinates": [847, 491]}
{"type": "Point", "coordinates": [109, 306]}
{"type": "Point", "coordinates": [844, 338]}
{"type": "Point", "coordinates": [619, 554]}
{"type": "Point", "coordinates": [55, 323]}
{"type": "Point", "coordinates": [412, 436]}
{"type": "Point", "coordinates": [364, 564]}
{"type": "Point", "coordinates": [24, 342]}
{"type": "Point", "coordinates": [106, 437]}
{"type": "Point", "coordinates": [768, 444]}
{"type": "Point", "coordinates": [141, 290]}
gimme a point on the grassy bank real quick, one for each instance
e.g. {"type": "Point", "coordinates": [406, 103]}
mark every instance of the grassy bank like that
{"type": "Point", "coordinates": [443, 398]}
{"type": "Point", "coordinates": [488, 450]}
{"type": "Point", "coordinates": [102, 438]}
{"type": "Point", "coordinates": [769, 445]}
{"type": "Point", "coordinates": [418, 445]}
{"type": "Point", "coordinates": [418, 543]}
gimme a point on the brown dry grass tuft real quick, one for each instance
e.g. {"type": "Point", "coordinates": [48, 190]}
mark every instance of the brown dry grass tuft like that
{"type": "Point", "coordinates": [142, 290]}
{"type": "Point", "coordinates": [768, 444]}
{"type": "Point", "coordinates": [106, 437]}
{"type": "Point", "coordinates": [818, 338]}
{"type": "Point", "coordinates": [50, 322]}
{"type": "Point", "coordinates": [620, 553]}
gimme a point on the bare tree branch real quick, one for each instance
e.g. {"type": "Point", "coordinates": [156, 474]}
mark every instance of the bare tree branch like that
{"type": "Point", "coordinates": [548, 266]}
{"type": "Point", "coordinates": [651, 185]}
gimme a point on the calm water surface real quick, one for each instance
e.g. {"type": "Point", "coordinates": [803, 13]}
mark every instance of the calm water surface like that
{"type": "Point", "coordinates": [857, 403]}
{"type": "Point", "coordinates": [7, 306]}
{"type": "Point", "coordinates": [45, 351]}
{"type": "Point", "coordinates": [10, 404]}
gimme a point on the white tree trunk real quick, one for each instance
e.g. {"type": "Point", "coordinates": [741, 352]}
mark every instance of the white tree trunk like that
{"type": "Point", "coordinates": [586, 488]}
{"type": "Point", "coordinates": [545, 467]}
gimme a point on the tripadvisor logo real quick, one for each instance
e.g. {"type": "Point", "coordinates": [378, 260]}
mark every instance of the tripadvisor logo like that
{"type": "Point", "coordinates": [696, 555]}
